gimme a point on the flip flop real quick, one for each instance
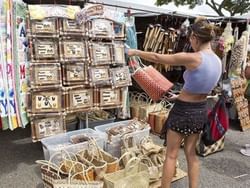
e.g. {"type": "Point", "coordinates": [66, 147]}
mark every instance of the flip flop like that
{"type": "Point", "coordinates": [245, 152]}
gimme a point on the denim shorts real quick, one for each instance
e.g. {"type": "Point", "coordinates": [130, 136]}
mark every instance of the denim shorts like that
{"type": "Point", "coordinates": [186, 118]}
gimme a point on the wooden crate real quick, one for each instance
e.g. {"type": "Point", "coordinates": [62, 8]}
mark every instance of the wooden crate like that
{"type": "Point", "coordinates": [99, 76]}
{"type": "Point", "coordinates": [73, 49]}
{"type": "Point", "coordinates": [74, 74]}
{"type": "Point", "coordinates": [45, 100]}
{"type": "Point", "coordinates": [43, 28]}
{"type": "Point", "coordinates": [45, 75]}
{"type": "Point", "coordinates": [100, 28]}
{"type": "Point", "coordinates": [45, 125]}
{"type": "Point", "coordinates": [120, 76]}
{"type": "Point", "coordinates": [44, 50]}
{"type": "Point", "coordinates": [118, 52]}
{"type": "Point", "coordinates": [100, 53]}
{"type": "Point", "coordinates": [107, 98]}
{"type": "Point", "coordinates": [78, 99]}
{"type": "Point", "coordinates": [70, 27]}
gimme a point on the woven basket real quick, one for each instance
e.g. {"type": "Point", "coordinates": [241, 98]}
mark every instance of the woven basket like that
{"type": "Point", "coordinates": [154, 88]}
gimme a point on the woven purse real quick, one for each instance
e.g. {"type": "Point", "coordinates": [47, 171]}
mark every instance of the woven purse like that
{"type": "Point", "coordinates": [98, 153]}
{"type": "Point", "coordinates": [134, 175]}
{"type": "Point", "coordinates": [150, 80]}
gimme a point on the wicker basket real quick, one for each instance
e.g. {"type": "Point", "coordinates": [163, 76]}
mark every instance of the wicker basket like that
{"type": "Point", "coordinates": [45, 125]}
{"type": "Point", "coordinates": [120, 77]}
{"type": "Point", "coordinates": [100, 53]}
{"type": "Point", "coordinates": [44, 50]}
{"type": "Point", "coordinates": [45, 100]}
{"type": "Point", "coordinates": [45, 75]}
{"type": "Point", "coordinates": [78, 99]}
{"type": "Point", "coordinates": [71, 28]}
{"type": "Point", "coordinates": [73, 49]}
{"type": "Point", "coordinates": [74, 74]}
{"type": "Point", "coordinates": [43, 28]}
{"type": "Point", "coordinates": [100, 28]}
{"type": "Point", "coordinates": [99, 76]}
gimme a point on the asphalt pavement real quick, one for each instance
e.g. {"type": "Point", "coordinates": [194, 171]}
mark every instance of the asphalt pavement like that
{"type": "Point", "coordinates": [226, 169]}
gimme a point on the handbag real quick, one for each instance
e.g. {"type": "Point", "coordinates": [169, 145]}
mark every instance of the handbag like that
{"type": "Point", "coordinates": [73, 182]}
{"type": "Point", "coordinates": [149, 79]}
{"type": "Point", "coordinates": [137, 100]}
{"type": "Point", "coordinates": [50, 172]}
{"type": "Point", "coordinates": [100, 166]}
{"type": "Point", "coordinates": [134, 175]}
{"type": "Point", "coordinates": [98, 153]}
{"type": "Point", "coordinates": [203, 150]}
{"type": "Point", "coordinates": [217, 124]}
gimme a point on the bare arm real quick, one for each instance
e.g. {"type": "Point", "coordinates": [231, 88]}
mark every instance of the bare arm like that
{"type": "Point", "coordinates": [185, 59]}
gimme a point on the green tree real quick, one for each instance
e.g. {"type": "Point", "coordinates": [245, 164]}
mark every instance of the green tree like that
{"type": "Point", "coordinates": [233, 7]}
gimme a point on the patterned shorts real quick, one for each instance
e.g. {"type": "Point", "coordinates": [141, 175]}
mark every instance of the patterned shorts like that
{"type": "Point", "coordinates": [186, 118]}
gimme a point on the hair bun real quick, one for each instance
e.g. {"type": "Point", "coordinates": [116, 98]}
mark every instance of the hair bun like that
{"type": "Point", "coordinates": [200, 19]}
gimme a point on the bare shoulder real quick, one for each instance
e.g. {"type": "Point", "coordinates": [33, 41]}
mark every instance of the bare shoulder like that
{"type": "Point", "coordinates": [192, 58]}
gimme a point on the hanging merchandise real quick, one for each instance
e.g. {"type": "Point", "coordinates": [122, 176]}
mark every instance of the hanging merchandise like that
{"type": "Point", "coordinates": [58, 52]}
{"type": "Point", "coordinates": [226, 41]}
{"type": "Point", "coordinates": [77, 64]}
{"type": "Point", "coordinates": [3, 83]}
{"type": "Point", "coordinates": [237, 57]}
{"type": "Point", "coordinates": [131, 31]}
{"type": "Point", "coordinates": [13, 87]}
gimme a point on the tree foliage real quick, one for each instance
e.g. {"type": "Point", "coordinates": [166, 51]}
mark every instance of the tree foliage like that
{"type": "Point", "coordinates": [232, 6]}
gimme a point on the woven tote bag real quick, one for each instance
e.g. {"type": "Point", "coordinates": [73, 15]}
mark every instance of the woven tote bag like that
{"type": "Point", "coordinates": [150, 80]}
{"type": "Point", "coordinates": [135, 175]}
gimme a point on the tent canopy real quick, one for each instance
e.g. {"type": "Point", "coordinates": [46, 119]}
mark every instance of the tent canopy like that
{"type": "Point", "coordinates": [147, 7]}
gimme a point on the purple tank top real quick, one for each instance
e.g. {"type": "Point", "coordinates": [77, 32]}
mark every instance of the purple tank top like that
{"type": "Point", "coordinates": [205, 77]}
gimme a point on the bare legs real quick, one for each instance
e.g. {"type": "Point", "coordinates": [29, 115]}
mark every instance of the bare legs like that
{"type": "Point", "coordinates": [192, 160]}
{"type": "Point", "coordinates": [173, 145]}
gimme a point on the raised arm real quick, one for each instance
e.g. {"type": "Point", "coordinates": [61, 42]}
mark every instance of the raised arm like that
{"type": "Point", "coordinates": [185, 59]}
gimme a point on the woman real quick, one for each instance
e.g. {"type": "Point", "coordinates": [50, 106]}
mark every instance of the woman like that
{"type": "Point", "coordinates": [187, 117]}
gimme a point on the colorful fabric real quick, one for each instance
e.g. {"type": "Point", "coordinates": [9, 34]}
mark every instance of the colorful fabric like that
{"type": "Point", "coordinates": [20, 48]}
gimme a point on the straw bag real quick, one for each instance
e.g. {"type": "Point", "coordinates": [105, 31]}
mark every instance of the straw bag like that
{"type": "Point", "coordinates": [73, 182]}
{"type": "Point", "coordinates": [98, 153]}
{"type": "Point", "coordinates": [100, 166]}
{"type": "Point", "coordinates": [137, 100]}
{"type": "Point", "coordinates": [50, 172]}
{"type": "Point", "coordinates": [129, 148]}
{"type": "Point", "coordinates": [68, 164]}
{"type": "Point", "coordinates": [153, 170]}
{"type": "Point", "coordinates": [149, 79]}
{"type": "Point", "coordinates": [149, 107]}
{"type": "Point", "coordinates": [134, 175]}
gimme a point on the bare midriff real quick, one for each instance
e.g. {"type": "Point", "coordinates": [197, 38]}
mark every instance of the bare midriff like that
{"type": "Point", "coordinates": [191, 97]}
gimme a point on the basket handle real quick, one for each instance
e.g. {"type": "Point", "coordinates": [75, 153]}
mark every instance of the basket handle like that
{"type": "Point", "coordinates": [49, 164]}
{"type": "Point", "coordinates": [96, 147]}
{"type": "Point", "coordinates": [130, 164]}
{"type": "Point", "coordinates": [150, 163]}
{"type": "Point", "coordinates": [125, 139]}
{"type": "Point", "coordinates": [86, 178]}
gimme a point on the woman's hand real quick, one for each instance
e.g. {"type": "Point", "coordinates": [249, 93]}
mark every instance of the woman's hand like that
{"type": "Point", "coordinates": [132, 52]}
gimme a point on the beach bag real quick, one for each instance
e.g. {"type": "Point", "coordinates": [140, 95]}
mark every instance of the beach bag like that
{"type": "Point", "coordinates": [149, 79]}
{"type": "Point", "coordinates": [217, 123]}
